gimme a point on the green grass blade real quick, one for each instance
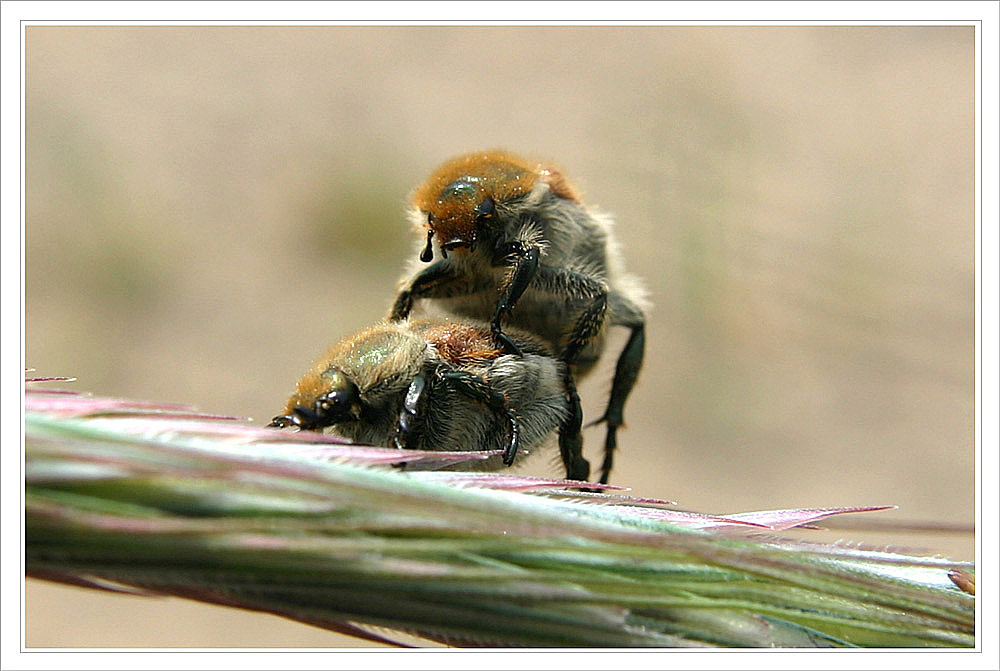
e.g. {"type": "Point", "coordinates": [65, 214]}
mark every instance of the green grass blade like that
{"type": "Point", "coordinates": [174, 504]}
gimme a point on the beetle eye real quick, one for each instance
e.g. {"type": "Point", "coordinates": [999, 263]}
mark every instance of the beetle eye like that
{"type": "Point", "coordinates": [486, 209]}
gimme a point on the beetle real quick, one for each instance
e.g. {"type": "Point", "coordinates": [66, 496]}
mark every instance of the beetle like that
{"type": "Point", "coordinates": [518, 247]}
{"type": "Point", "coordinates": [442, 385]}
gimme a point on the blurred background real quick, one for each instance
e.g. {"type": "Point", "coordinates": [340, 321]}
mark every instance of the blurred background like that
{"type": "Point", "coordinates": [208, 208]}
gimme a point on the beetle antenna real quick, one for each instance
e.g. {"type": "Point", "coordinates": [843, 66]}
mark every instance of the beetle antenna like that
{"type": "Point", "coordinates": [428, 254]}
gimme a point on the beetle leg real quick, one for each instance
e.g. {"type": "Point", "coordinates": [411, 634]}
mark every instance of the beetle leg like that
{"type": "Point", "coordinates": [409, 414]}
{"type": "Point", "coordinates": [626, 372]}
{"type": "Point", "coordinates": [570, 438]}
{"type": "Point", "coordinates": [577, 288]}
{"type": "Point", "coordinates": [587, 325]}
{"type": "Point", "coordinates": [523, 260]}
{"type": "Point", "coordinates": [478, 388]}
{"type": "Point", "coordinates": [435, 281]}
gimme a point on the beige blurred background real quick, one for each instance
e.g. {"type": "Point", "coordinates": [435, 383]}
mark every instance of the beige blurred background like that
{"type": "Point", "coordinates": [209, 207]}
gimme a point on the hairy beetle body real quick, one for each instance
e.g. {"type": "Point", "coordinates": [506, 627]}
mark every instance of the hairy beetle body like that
{"type": "Point", "coordinates": [518, 248]}
{"type": "Point", "coordinates": [439, 385]}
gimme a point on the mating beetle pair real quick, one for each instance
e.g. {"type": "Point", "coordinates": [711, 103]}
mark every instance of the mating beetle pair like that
{"type": "Point", "coordinates": [528, 282]}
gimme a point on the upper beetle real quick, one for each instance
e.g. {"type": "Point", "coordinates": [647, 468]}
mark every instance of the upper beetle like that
{"type": "Point", "coordinates": [517, 246]}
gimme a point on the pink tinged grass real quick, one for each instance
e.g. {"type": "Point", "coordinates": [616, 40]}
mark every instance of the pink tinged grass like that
{"type": "Point", "coordinates": [328, 533]}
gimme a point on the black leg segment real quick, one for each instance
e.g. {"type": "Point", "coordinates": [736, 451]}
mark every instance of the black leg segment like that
{"type": "Point", "coordinates": [409, 415]}
{"type": "Point", "coordinates": [588, 325]}
{"type": "Point", "coordinates": [570, 438]}
{"type": "Point", "coordinates": [436, 280]}
{"type": "Point", "coordinates": [626, 372]}
{"type": "Point", "coordinates": [524, 261]}
{"type": "Point", "coordinates": [478, 389]}
{"type": "Point", "coordinates": [577, 289]}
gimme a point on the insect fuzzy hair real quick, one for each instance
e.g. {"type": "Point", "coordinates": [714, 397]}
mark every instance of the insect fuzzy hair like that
{"type": "Point", "coordinates": [384, 359]}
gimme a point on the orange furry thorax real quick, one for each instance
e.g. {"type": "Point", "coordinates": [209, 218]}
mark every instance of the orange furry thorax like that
{"type": "Point", "coordinates": [461, 343]}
